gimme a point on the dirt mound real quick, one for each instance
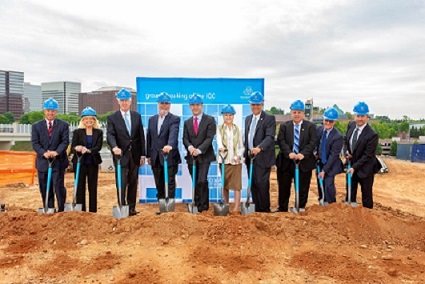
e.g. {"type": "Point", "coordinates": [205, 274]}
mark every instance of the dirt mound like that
{"type": "Point", "coordinates": [333, 244]}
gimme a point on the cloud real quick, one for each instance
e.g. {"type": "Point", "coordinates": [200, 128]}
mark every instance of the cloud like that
{"type": "Point", "coordinates": [332, 51]}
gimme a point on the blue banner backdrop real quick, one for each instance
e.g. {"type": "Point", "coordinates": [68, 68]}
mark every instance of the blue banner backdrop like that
{"type": "Point", "coordinates": [216, 93]}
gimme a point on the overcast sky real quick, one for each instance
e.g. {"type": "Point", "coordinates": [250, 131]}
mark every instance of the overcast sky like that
{"type": "Point", "coordinates": [336, 52]}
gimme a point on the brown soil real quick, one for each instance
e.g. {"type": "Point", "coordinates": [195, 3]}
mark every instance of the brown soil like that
{"type": "Point", "coordinates": [333, 244]}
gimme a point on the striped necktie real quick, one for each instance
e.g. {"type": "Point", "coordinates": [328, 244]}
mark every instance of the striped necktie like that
{"type": "Point", "coordinates": [50, 129]}
{"type": "Point", "coordinates": [297, 138]}
{"type": "Point", "coordinates": [252, 133]}
{"type": "Point", "coordinates": [127, 122]}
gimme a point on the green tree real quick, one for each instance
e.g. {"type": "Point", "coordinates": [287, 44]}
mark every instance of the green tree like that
{"type": "Point", "coordinates": [35, 116]}
{"type": "Point", "coordinates": [3, 119]}
{"type": "Point", "coordinates": [10, 116]}
{"type": "Point", "coordinates": [102, 117]}
{"type": "Point", "coordinates": [393, 148]}
{"type": "Point", "coordinates": [379, 149]}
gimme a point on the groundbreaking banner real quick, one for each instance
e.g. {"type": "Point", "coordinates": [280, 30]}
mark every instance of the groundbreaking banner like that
{"type": "Point", "coordinates": [216, 93]}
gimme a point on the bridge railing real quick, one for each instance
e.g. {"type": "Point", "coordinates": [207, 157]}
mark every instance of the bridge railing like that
{"type": "Point", "coordinates": [26, 128]}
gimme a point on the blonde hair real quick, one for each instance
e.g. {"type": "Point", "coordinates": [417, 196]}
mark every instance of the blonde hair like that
{"type": "Point", "coordinates": [95, 124]}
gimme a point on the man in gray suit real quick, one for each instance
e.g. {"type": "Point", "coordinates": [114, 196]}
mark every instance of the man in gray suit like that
{"type": "Point", "coordinates": [162, 139]}
{"type": "Point", "coordinates": [198, 134]}
{"type": "Point", "coordinates": [260, 130]}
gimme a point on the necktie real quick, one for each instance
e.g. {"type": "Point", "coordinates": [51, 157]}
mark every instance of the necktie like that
{"type": "Point", "coordinates": [297, 138]}
{"type": "Point", "coordinates": [252, 133]}
{"type": "Point", "coordinates": [160, 120]}
{"type": "Point", "coordinates": [195, 125]}
{"type": "Point", "coordinates": [49, 130]}
{"type": "Point", "coordinates": [127, 123]}
{"type": "Point", "coordinates": [354, 141]}
{"type": "Point", "coordinates": [323, 147]}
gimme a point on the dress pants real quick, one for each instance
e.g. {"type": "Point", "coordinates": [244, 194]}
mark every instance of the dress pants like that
{"type": "Point", "coordinates": [201, 189]}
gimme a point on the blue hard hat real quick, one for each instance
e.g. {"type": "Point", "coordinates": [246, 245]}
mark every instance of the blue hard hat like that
{"type": "Point", "coordinates": [361, 108]}
{"type": "Point", "coordinates": [330, 114]}
{"type": "Point", "coordinates": [164, 98]}
{"type": "Point", "coordinates": [297, 105]}
{"type": "Point", "coordinates": [50, 104]}
{"type": "Point", "coordinates": [196, 100]}
{"type": "Point", "coordinates": [123, 94]}
{"type": "Point", "coordinates": [228, 109]}
{"type": "Point", "coordinates": [88, 111]}
{"type": "Point", "coordinates": [256, 98]}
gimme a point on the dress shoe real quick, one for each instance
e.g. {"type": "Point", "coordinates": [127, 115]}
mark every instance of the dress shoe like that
{"type": "Point", "coordinates": [133, 213]}
{"type": "Point", "coordinates": [277, 210]}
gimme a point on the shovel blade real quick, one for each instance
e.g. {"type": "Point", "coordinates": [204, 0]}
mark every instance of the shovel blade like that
{"type": "Point", "coordinates": [46, 210]}
{"type": "Point", "coordinates": [192, 208]}
{"type": "Point", "coordinates": [73, 207]}
{"type": "Point", "coordinates": [221, 209]}
{"type": "Point", "coordinates": [296, 210]}
{"type": "Point", "coordinates": [120, 212]}
{"type": "Point", "coordinates": [247, 208]}
{"type": "Point", "coordinates": [353, 204]}
{"type": "Point", "coordinates": [166, 205]}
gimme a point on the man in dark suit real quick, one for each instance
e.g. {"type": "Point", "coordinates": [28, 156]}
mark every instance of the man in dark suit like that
{"type": "Point", "coordinates": [162, 139]}
{"type": "Point", "coordinates": [260, 130]}
{"type": "Point", "coordinates": [297, 140]}
{"type": "Point", "coordinates": [360, 144]}
{"type": "Point", "coordinates": [126, 139]}
{"type": "Point", "coordinates": [198, 134]}
{"type": "Point", "coordinates": [50, 140]}
{"type": "Point", "coordinates": [329, 148]}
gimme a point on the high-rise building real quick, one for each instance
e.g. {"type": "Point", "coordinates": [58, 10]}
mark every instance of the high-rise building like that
{"type": "Point", "coordinates": [11, 92]}
{"type": "Point", "coordinates": [103, 100]}
{"type": "Point", "coordinates": [33, 94]}
{"type": "Point", "coordinates": [64, 92]}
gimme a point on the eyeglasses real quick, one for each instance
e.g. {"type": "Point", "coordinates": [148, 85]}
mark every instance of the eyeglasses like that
{"type": "Point", "coordinates": [329, 121]}
{"type": "Point", "coordinates": [163, 103]}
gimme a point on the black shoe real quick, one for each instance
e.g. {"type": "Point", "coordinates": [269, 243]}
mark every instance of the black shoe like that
{"type": "Point", "coordinates": [277, 210]}
{"type": "Point", "coordinates": [158, 212]}
{"type": "Point", "coordinates": [133, 213]}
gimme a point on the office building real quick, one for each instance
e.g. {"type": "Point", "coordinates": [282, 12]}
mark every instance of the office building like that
{"type": "Point", "coordinates": [64, 92]}
{"type": "Point", "coordinates": [11, 92]}
{"type": "Point", "coordinates": [33, 94]}
{"type": "Point", "coordinates": [103, 100]}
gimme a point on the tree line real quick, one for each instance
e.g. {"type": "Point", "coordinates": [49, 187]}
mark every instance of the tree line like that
{"type": "Point", "coordinates": [385, 127]}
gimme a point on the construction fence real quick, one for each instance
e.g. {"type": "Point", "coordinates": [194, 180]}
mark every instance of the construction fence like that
{"type": "Point", "coordinates": [17, 168]}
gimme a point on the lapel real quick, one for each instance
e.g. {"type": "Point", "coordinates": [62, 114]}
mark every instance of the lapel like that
{"type": "Point", "coordinates": [260, 121]}
{"type": "Point", "coordinates": [164, 123]}
{"type": "Point", "coordinates": [190, 127]}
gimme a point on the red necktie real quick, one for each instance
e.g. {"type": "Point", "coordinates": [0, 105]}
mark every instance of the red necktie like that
{"type": "Point", "coordinates": [195, 125]}
{"type": "Point", "coordinates": [50, 129]}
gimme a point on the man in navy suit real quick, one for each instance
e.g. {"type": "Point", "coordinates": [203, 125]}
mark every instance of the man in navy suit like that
{"type": "Point", "coordinates": [360, 144]}
{"type": "Point", "coordinates": [126, 138]}
{"type": "Point", "coordinates": [198, 134]}
{"type": "Point", "coordinates": [50, 139]}
{"type": "Point", "coordinates": [297, 140]}
{"type": "Point", "coordinates": [162, 139]}
{"type": "Point", "coordinates": [260, 130]}
{"type": "Point", "coordinates": [329, 148]}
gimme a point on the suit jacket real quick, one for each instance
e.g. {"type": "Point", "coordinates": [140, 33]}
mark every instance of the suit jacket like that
{"type": "Point", "coordinates": [334, 145]}
{"type": "Point", "coordinates": [308, 143]}
{"type": "Point", "coordinates": [133, 146]}
{"type": "Point", "coordinates": [41, 142]}
{"type": "Point", "coordinates": [263, 138]}
{"type": "Point", "coordinates": [203, 141]}
{"type": "Point", "coordinates": [168, 135]}
{"type": "Point", "coordinates": [364, 159]}
{"type": "Point", "coordinates": [80, 138]}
